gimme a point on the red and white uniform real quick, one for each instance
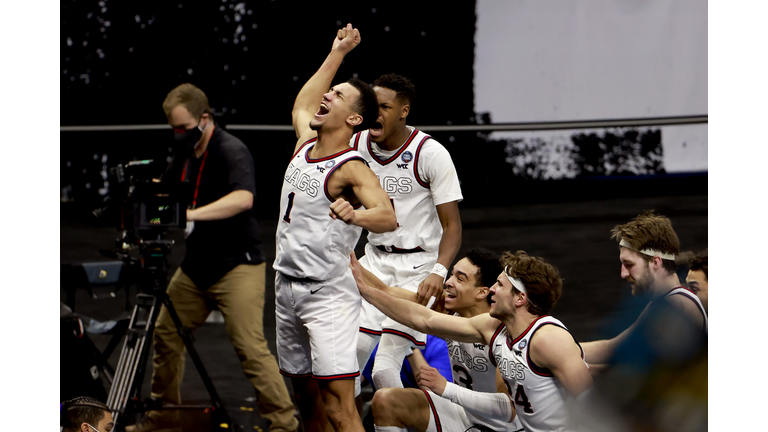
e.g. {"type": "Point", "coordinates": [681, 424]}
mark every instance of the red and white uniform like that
{"type": "Point", "coordinates": [473, 369]}
{"type": "Point", "coordinates": [316, 298]}
{"type": "Point", "coordinates": [685, 292]}
{"type": "Point", "coordinates": [539, 397]}
{"type": "Point", "coordinates": [417, 177]}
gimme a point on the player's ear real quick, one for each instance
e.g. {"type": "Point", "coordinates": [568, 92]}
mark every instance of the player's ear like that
{"type": "Point", "coordinates": [354, 120]}
{"type": "Point", "coordinates": [482, 293]}
{"type": "Point", "coordinates": [404, 111]}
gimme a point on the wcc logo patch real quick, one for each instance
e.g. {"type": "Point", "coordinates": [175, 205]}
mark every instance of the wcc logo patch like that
{"type": "Point", "coordinates": [328, 165]}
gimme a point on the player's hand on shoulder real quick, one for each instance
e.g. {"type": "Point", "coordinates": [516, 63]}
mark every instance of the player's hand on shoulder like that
{"type": "Point", "coordinates": [430, 379]}
{"type": "Point", "coordinates": [430, 287]}
{"type": "Point", "coordinates": [347, 39]}
{"type": "Point", "coordinates": [343, 210]}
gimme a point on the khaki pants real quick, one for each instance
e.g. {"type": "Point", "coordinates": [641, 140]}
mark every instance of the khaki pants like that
{"type": "Point", "coordinates": [240, 297]}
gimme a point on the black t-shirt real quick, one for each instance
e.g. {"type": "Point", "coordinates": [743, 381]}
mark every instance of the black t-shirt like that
{"type": "Point", "coordinates": [216, 247]}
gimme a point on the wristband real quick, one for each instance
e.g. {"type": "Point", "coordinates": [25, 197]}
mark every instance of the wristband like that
{"type": "Point", "coordinates": [440, 270]}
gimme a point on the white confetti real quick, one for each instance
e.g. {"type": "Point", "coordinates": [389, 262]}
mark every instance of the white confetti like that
{"type": "Point", "coordinates": [189, 71]}
{"type": "Point", "coordinates": [69, 42]}
{"type": "Point", "coordinates": [137, 18]}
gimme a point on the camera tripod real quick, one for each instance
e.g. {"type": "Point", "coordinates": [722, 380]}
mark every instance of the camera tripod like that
{"type": "Point", "coordinates": [124, 395]}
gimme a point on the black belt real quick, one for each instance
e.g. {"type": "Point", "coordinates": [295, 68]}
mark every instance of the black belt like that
{"type": "Point", "coordinates": [295, 279]}
{"type": "Point", "coordinates": [396, 250]}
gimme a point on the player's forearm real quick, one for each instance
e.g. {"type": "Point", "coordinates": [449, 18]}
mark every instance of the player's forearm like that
{"type": "Point", "coordinates": [312, 92]}
{"type": "Point", "coordinates": [378, 219]}
{"type": "Point", "coordinates": [450, 243]}
{"type": "Point", "coordinates": [496, 406]}
{"type": "Point", "coordinates": [403, 311]}
{"type": "Point", "coordinates": [225, 207]}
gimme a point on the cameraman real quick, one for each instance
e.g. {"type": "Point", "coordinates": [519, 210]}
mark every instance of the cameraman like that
{"type": "Point", "coordinates": [224, 262]}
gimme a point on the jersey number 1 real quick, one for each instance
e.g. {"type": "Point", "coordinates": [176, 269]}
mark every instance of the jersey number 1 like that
{"type": "Point", "coordinates": [287, 215]}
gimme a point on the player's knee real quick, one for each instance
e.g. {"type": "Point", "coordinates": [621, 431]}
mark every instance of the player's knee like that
{"type": "Point", "coordinates": [383, 406]}
{"type": "Point", "coordinates": [386, 377]}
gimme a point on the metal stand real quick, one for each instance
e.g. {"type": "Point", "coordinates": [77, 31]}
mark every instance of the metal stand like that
{"type": "Point", "coordinates": [124, 394]}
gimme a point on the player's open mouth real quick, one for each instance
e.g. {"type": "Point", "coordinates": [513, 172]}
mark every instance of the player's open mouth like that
{"type": "Point", "coordinates": [377, 130]}
{"type": "Point", "coordinates": [323, 110]}
{"type": "Point", "coordinates": [449, 296]}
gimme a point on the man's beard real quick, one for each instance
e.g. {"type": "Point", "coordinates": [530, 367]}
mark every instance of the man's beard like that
{"type": "Point", "coordinates": [642, 285]}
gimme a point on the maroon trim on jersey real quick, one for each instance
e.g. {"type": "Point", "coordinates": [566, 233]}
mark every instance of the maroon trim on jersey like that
{"type": "Point", "coordinates": [336, 377]}
{"type": "Point", "coordinates": [540, 370]}
{"type": "Point", "coordinates": [369, 331]}
{"type": "Point", "coordinates": [490, 351]}
{"type": "Point", "coordinates": [416, 163]}
{"type": "Point", "coordinates": [327, 176]}
{"type": "Point", "coordinates": [311, 161]}
{"type": "Point", "coordinates": [394, 156]}
{"type": "Point", "coordinates": [290, 375]}
{"type": "Point", "coordinates": [357, 139]}
{"type": "Point", "coordinates": [693, 297]}
{"type": "Point", "coordinates": [509, 344]}
{"type": "Point", "coordinates": [438, 425]}
{"type": "Point", "coordinates": [404, 335]}
{"type": "Point", "coordinates": [302, 146]}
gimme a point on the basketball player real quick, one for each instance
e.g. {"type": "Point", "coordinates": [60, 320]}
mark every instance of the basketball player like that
{"type": "Point", "coordinates": [467, 292]}
{"type": "Point", "coordinates": [540, 361]}
{"type": "Point", "coordinates": [697, 277]}
{"type": "Point", "coordinates": [317, 304]}
{"type": "Point", "coordinates": [418, 174]}
{"type": "Point", "coordinates": [647, 249]}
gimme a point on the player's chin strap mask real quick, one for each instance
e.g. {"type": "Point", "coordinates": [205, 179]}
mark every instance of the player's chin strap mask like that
{"type": "Point", "coordinates": [517, 283]}
{"type": "Point", "coordinates": [649, 252]}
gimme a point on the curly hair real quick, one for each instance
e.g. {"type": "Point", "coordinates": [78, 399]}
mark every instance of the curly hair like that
{"type": "Point", "coordinates": [193, 99]}
{"type": "Point", "coordinates": [650, 231]}
{"type": "Point", "coordinates": [79, 410]}
{"type": "Point", "coordinates": [700, 262]}
{"type": "Point", "coordinates": [406, 91]}
{"type": "Point", "coordinates": [542, 280]}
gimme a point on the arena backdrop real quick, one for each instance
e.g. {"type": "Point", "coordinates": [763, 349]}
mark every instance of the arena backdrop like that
{"type": "Point", "coordinates": [473, 63]}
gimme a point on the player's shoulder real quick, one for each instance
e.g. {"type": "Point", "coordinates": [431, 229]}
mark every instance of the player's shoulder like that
{"type": "Point", "coordinates": [686, 302]}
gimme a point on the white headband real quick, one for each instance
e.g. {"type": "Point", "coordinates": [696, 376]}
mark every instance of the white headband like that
{"type": "Point", "coordinates": [649, 252]}
{"type": "Point", "coordinates": [517, 283]}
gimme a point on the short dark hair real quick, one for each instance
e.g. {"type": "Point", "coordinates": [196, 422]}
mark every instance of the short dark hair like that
{"type": "Point", "coordinates": [404, 88]}
{"type": "Point", "coordinates": [79, 410]}
{"type": "Point", "coordinates": [700, 262]}
{"type": "Point", "coordinates": [488, 266]}
{"type": "Point", "coordinates": [367, 105]}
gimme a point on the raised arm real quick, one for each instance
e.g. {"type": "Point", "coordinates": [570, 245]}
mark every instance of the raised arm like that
{"type": "Point", "coordinates": [378, 215]}
{"type": "Point", "coordinates": [308, 100]}
{"type": "Point", "coordinates": [415, 316]}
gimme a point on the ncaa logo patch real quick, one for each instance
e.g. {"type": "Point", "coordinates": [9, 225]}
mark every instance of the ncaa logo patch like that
{"type": "Point", "coordinates": [407, 157]}
{"type": "Point", "coordinates": [523, 343]}
{"type": "Point", "coordinates": [330, 164]}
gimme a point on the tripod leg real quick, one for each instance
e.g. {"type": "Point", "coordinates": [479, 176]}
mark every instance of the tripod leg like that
{"type": "Point", "coordinates": [219, 412]}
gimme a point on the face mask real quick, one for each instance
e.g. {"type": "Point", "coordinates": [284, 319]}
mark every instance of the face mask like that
{"type": "Point", "coordinates": [187, 139]}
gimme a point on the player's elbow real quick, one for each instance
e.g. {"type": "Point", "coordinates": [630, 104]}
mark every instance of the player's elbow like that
{"type": "Point", "coordinates": [245, 201]}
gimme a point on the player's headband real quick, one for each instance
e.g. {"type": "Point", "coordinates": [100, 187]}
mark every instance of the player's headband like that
{"type": "Point", "coordinates": [649, 252]}
{"type": "Point", "coordinates": [517, 283]}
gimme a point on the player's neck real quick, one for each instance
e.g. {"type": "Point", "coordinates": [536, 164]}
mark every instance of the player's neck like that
{"type": "Point", "coordinates": [519, 322]}
{"type": "Point", "coordinates": [474, 310]}
{"type": "Point", "coordinates": [330, 142]}
{"type": "Point", "coordinates": [665, 284]}
{"type": "Point", "coordinates": [396, 140]}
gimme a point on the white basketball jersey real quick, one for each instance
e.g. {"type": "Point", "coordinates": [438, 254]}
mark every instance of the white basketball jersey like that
{"type": "Point", "coordinates": [473, 369]}
{"type": "Point", "coordinates": [311, 244]}
{"type": "Point", "coordinates": [410, 194]}
{"type": "Point", "coordinates": [539, 397]}
{"type": "Point", "coordinates": [692, 295]}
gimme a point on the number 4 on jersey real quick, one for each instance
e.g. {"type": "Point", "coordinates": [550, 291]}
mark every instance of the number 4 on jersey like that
{"type": "Point", "coordinates": [522, 400]}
